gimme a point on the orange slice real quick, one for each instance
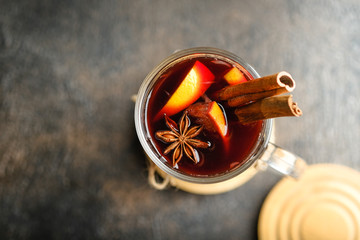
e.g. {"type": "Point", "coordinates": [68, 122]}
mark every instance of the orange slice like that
{"type": "Point", "coordinates": [196, 82]}
{"type": "Point", "coordinates": [218, 118]}
{"type": "Point", "coordinates": [210, 115]}
{"type": "Point", "coordinates": [234, 76]}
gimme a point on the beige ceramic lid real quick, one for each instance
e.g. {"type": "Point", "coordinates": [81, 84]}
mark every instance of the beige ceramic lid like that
{"type": "Point", "coordinates": [323, 204]}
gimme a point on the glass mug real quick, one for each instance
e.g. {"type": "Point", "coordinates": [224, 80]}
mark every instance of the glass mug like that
{"type": "Point", "coordinates": [263, 154]}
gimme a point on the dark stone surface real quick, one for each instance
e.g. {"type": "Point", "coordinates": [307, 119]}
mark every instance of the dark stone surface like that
{"type": "Point", "coordinates": [71, 166]}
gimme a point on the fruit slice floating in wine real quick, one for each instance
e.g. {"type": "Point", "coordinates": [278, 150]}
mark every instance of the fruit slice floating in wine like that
{"type": "Point", "coordinates": [234, 76]}
{"type": "Point", "coordinates": [196, 82]}
{"type": "Point", "coordinates": [211, 116]}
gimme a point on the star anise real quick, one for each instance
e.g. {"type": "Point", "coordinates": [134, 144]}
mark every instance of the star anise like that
{"type": "Point", "coordinates": [182, 139]}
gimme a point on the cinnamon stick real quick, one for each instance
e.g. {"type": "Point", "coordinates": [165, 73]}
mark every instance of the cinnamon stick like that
{"type": "Point", "coordinates": [251, 97]}
{"type": "Point", "coordinates": [272, 107]}
{"type": "Point", "coordinates": [273, 84]}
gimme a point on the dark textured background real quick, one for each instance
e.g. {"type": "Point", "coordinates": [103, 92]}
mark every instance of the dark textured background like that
{"type": "Point", "coordinates": [71, 166]}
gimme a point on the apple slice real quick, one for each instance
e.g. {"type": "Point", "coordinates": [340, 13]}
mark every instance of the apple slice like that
{"type": "Point", "coordinates": [234, 76]}
{"type": "Point", "coordinates": [211, 116]}
{"type": "Point", "coordinates": [196, 82]}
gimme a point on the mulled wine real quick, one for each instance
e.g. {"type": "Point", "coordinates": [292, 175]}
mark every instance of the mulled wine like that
{"type": "Point", "coordinates": [194, 133]}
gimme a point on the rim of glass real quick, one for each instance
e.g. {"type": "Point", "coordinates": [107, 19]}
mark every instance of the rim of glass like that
{"type": "Point", "coordinates": [140, 117]}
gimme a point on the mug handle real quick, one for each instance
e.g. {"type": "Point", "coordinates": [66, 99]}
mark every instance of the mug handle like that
{"type": "Point", "coordinates": [282, 161]}
{"type": "Point", "coordinates": [160, 182]}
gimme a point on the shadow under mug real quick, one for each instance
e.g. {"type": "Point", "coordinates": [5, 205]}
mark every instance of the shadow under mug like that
{"type": "Point", "coordinates": [263, 154]}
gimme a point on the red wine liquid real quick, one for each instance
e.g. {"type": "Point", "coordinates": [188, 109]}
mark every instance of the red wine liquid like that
{"type": "Point", "coordinates": [224, 154]}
